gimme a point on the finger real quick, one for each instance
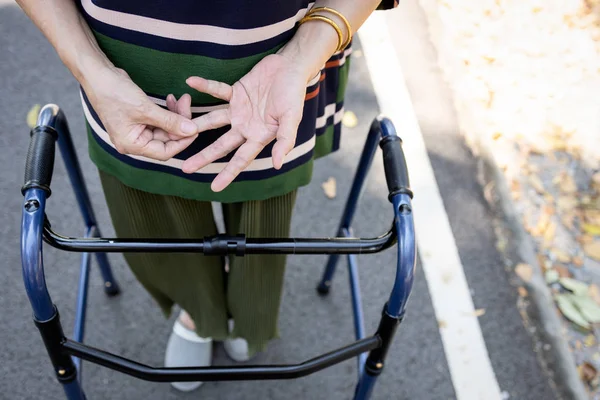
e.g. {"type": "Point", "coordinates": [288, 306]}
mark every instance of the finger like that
{"type": "Point", "coordinates": [184, 106]}
{"type": "Point", "coordinates": [163, 151]}
{"type": "Point", "coordinates": [220, 148]}
{"type": "Point", "coordinates": [213, 120]}
{"type": "Point", "coordinates": [168, 121]}
{"type": "Point", "coordinates": [241, 159]}
{"type": "Point", "coordinates": [216, 89]}
{"type": "Point", "coordinates": [171, 103]}
{"type": "Point", "coordinates": [286, 139]}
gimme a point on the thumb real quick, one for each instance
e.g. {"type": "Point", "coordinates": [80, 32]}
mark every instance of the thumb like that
{"type": "Point", "coordinates": [170, 122]}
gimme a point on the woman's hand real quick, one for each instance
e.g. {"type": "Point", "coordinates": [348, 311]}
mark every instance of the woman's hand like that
{"type": "Point", "coordinates": [264, 105]}
{"type": "Point", "coordinates": [134, 123]}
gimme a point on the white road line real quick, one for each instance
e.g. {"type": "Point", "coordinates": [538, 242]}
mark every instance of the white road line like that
{"type": "Point", "coordinates": [468, 360]}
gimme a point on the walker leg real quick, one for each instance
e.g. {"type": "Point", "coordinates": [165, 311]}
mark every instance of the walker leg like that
{"type": "Point", "coordinates": [376, 359]}
{"type": "Point", "coordinates": [366, 159]}
{"type": "Point", "coordinates": [67, 150]}
{"type": "Point", "coordinates": [45, 314]}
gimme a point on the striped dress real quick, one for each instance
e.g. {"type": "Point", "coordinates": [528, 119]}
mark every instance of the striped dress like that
{"type": "Point", "coordinates": [162, 43]}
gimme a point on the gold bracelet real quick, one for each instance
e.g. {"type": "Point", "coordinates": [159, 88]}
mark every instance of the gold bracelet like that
{"type": "Point", "coordinates": [328, 20]}
{"type": "Point", "coordinates": [341, 16]}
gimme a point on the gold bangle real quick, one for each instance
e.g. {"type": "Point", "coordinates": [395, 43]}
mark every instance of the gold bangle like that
{"type": "Point", "coordinates": [341, 16]}
{"type": "Point", "coordinates": [328, 20]}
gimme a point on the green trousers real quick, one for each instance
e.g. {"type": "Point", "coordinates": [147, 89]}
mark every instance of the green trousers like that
{"type": "Point", "coordinates": [250, 292]}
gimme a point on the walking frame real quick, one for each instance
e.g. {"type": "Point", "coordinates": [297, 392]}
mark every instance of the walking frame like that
{"type": "Point", "coordinates": [67, 354]}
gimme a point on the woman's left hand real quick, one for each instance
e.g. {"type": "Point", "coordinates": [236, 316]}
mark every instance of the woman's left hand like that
{"type": "Point", "coordinates": [264, 105]}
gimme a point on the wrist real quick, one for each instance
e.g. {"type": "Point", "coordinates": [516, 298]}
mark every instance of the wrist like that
{"type": "Point", "coordinates": [312, 45]}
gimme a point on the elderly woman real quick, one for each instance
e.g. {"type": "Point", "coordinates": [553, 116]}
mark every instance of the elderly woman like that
{"type": "Point", "coordinates": [189, 102]}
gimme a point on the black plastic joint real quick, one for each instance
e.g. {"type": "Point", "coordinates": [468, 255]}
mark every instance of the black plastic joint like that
{"type": "Point", "coordinates": [385, 331]}
{"type": "Point", "coordinates": [54, 337]}
{"type": "Point", "coordinates": [223, 244]}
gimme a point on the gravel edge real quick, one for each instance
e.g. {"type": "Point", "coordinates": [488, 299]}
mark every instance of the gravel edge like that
{"type": "Point", "coordinates": [555, 354]}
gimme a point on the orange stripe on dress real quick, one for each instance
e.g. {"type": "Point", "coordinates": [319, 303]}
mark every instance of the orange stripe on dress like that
{"type": "Point", "coordinates": [313, 94]}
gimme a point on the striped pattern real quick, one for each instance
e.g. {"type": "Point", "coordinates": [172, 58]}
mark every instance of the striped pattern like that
{"type": "Point", "coordinates": [160, 44]}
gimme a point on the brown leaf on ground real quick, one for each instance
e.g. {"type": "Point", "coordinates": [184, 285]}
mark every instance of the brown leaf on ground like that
{"type": "Point", "coordinates": [592, 250]}
{"type": "Point", "coordinates": [536, 184]}
{"type": "Point", "coordinates": [543, 222]}
{"type": "Point", "coordinates": [568, 220]}
{"type": "Point", "coordinates": [561, 255]}
{"type": "Point", "coordinates": [565, 183]}
{"type": "Point", "coordinates": [589, 341]}
{"type": "Point", "coordinates": [563, 271]}
{"type": "Point", "coordinates": [583, 239]}
{"type": "Point", "coordinates": [591, 216]}
{"type": "Point", "coordinates": [524, 271]}
{"type": "Point", "coordinates": [549, 234]}
{"type": "Point", "coordinates": [329, 187]}
{"type": "Point", "coordinates": [587, 372]}
{"type": "Point", "coordinates": [479, 312]}
{"type": "Point", "coordinates": [594, 293]}
{"type": "Point", "coordinates": [522, 291]}
{"type": "Point", "coordinates": [566, 203]}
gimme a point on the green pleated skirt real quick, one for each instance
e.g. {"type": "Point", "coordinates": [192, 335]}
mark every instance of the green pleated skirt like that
{"type": "Point", "coordinates": [250, 292]}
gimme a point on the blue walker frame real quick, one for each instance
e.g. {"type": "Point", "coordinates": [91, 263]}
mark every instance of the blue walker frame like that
{"type": "Point", "coordinates": [66, 354]}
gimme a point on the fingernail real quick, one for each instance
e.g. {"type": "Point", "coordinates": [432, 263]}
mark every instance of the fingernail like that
{"type": "Point", "coordinates": [189, 127]}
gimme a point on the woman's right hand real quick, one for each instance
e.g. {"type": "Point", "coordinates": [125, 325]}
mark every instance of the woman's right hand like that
{"type": "Point", "coordinates": [135, 124]}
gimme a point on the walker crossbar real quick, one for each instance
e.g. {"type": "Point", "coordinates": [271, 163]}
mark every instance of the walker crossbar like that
{"type": "Point", "coordinates": [66, 354]}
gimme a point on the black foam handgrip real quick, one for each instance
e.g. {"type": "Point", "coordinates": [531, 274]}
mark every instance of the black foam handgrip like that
{"type": "Point", "coordinates": [394, 163]}
{"type": "Point", "coordinates": [40, 159]}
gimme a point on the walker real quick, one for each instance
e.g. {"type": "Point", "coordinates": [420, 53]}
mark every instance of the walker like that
{"type": "Point", "coordinates": [67, 354]}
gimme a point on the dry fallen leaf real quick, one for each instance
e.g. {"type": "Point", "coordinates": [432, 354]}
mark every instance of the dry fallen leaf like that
{"type": "Point", "coordinates": [561, 255]}
{"type": "Point", "coordinates": [594, 293]}
{"type": "Point", "coordinates": [566, 183]}
{"type": "Point", "coordinates": [536, 183]}
{"type": "Point", "coordinates": [442, 324]}
{"type": "Point", "coordinates": [32, 115]}
{"type": "Point", "coordinates": [479, 312]}
{"type": "Point", "coordinates": [585, 238]}
{"type": "Point", "coordinates": [592, 250]}
{"type": "Point", "coordinates": [349, 119]}
{"type": "Point", "coordinates": [522, 291]}
{"type": "Point", "coordinates": [524, 271]}
{"type": "Point", "coordinates": [591, 216]}
{"type": "Point", "coordinates": [587, 372]}
{"type": "Point", "coordinates": [589, 341]}
{"type": "Point", "coordinates": [563, 271]}
{"type": "Point", "coordinates": [549, 234]}
{"type": "Point", "coordinates": [566, 203]}
{"type": "Point", "coordinates": [329, 187]}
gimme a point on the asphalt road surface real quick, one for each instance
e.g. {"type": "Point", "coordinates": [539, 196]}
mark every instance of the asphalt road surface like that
{"type": "Point", "coordinates": [418, 364]}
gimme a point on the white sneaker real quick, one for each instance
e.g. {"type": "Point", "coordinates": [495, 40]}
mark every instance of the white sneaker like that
{"type": "Point", "coordinates": [237, 348]}
{"type": "Point", "coordinates": [186, 349]}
